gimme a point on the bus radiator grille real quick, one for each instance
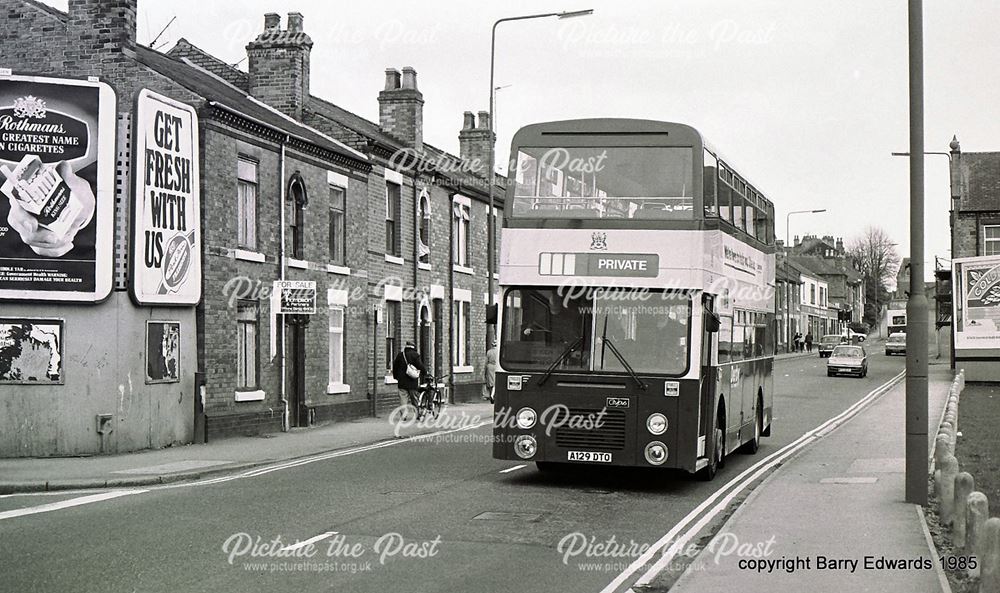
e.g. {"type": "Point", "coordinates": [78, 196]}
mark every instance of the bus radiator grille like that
{"type": "Point", "coordinates": [609, 436]}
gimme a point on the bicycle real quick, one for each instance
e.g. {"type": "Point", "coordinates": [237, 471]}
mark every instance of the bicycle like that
{"type": "Point", "coordinates": [431, 398]}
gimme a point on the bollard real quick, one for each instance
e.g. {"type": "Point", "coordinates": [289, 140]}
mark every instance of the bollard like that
{"type": "Point", "coordinates": [964, 485]}
{"type": "Point", "coordinates": [989, 576]}
{"type": "Point", "coordinates": [949, 469]}
{"type": "Point", "coordinates": [942, 448]}
{"type": "Point", "coordinates": [979, 512]}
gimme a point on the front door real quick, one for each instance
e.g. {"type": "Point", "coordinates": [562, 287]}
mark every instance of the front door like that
{"type": "Point", "coordinates": [709, 374]}
{"type": "Point", "coordinates": [295, 369]}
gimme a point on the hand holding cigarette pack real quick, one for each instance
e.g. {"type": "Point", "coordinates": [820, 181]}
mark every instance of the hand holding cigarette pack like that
{"type": "Point", "coordinates": [41, 191]}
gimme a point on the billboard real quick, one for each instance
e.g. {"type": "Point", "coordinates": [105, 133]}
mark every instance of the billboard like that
{"type": "Point", "coordinates": [57, 180]}
{"type": "Point", "coordinates": [165, 262]}
{"type": "Point", "coordinates": [31, 351]}
{"type": "Point", "coordinates": [976, 302]}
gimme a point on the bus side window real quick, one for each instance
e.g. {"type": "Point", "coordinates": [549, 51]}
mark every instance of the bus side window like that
{"type": "Point", "coordinates": [725, 193]}
{"type": "Point", "coordinates": [725, 338]}
{"type": "Point", "coordinates": [736, 351]}
{"type": "Point", "coordinates": [708, 190]}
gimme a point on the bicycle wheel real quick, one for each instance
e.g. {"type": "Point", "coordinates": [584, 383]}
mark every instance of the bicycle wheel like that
{"type": "Point", "coordinates": [435, 404]}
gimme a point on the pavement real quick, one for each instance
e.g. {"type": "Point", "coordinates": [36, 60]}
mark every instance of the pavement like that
{"type": "Point", "coordinates": [834, 517]}
{"type": "Point", "coordinates": [191, 462]}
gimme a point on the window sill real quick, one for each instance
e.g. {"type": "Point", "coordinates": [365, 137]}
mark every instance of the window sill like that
{"type": "Point", "coordinates": [424, 266]}
{"type": "Point", "coordinates": [463, 269]}
{"type": "Point", "coordinates": [333, 388]}
{"type": "Point", "coordinates": [297, 263]}
{"type": "Point", "coordinates": [462, 370]}
{"type": "Point", "coordinates": [393, 259]}
{"type": "Point", "coordinates": [341, 270]}
{"type": "Point", "coordinates": [250, 396]}
{"type": "Point", "coordinates": [254, 256]}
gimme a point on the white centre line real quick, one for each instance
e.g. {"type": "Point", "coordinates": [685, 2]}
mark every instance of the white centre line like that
{"type": "Point", "coordinates": [511, 469]}
{"type": "Point", "coordinates": [306, 542]}
{"type": "Point", "coordinates": [65, 504]}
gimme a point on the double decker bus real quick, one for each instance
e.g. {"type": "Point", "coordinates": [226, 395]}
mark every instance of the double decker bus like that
{"type": "Point", "coordinates": [636, 315]}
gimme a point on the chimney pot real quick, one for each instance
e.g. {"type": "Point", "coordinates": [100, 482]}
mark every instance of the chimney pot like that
{"type": "Point", "coordinates": [272, 21]}
{"type": "Point", "coordinates": [294, 22]}
{"type": "Point", "coordinates": [469, 121]}
{"type": "Point", "coordinates": [391, 79]}
{"type": "Point", "coordinates": [409, 78]}
{"type": "Point", "coordinates": [484, 120]}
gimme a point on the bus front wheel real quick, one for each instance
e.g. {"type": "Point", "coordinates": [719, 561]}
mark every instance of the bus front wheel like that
{"type": "Point", "coordinates": [718, 454]}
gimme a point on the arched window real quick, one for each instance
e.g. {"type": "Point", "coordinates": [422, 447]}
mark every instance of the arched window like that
{"type": "Point", "coordinates": [297, 195]}
{"type": "Point", "coordinates": [424, 227]}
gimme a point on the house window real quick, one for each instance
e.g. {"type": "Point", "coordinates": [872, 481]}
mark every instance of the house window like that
{"type": "Point", "coordinates": [812, 294]}
{"type": "Point", "coordinates": [392, 337]}
{"type": "Point", "coordinates": [392, 201]}
{"type": "Point", "coordinates": [461, 334]}
{"type": "Point", "coordinates": [424, 228]}
{"type": "Point", "coordinates": [337, 345]}
{"type": "Point", "coordinates": [246, 203]}
{"type": "Point", "coordinates": [246, 345]}
{"type": "Point", "coordinates": [337, 245]}
{"type": "Point", "coordinates": [460, 233]}
{"type": "Point", "coordinates": [991, 239]}
{"type": "Point", "coordinates": [298, 195]}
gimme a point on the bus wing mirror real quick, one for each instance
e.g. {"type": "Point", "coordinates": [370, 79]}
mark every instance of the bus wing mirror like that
{"type": "Point", "coordinates": [712, 323]}
{"type": "Point", "coordinates": [491, 314]}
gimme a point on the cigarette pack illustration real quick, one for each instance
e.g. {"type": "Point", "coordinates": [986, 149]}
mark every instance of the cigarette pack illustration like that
{"type": "Point", "coordinates": [42, 192]}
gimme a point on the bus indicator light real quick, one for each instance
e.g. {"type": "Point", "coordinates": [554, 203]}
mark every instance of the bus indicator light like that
{"type": "Point", "coordinates": [513, 382]}
{"type": "Point", "coordinates": [671, 388]}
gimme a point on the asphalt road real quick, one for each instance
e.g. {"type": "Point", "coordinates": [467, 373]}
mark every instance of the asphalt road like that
{"type": "Point", "coordinates": [424, 516]}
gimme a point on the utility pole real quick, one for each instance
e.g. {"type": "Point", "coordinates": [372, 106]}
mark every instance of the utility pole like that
{"type": "Point", "coordinates": [916, 306]}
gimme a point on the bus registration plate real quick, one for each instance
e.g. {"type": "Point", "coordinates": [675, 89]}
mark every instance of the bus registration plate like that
{"type": "Point", "coordinates": [593, 456]}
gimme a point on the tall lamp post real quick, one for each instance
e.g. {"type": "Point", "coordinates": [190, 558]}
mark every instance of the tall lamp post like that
{"type": "Point", "coordinates": [788, 235]}
{"type": "Point", "coordinates": [491, 240]}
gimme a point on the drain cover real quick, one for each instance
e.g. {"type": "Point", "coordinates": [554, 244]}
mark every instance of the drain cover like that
{"type": "Point", "coordinates": [508, 516]}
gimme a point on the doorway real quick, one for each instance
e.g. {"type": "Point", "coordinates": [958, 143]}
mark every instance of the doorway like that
{"type": "Point", "coordinates": [295, 369]}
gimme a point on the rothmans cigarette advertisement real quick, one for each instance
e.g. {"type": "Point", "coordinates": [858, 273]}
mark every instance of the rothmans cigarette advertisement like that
{"type": "Point", "coordinates": [56, 188]}
{"type": "Point", "coordinates": [976, 281]}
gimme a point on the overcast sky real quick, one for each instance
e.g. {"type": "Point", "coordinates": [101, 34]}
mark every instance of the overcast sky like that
{"type": "Point", "coordinates": [807, 98]}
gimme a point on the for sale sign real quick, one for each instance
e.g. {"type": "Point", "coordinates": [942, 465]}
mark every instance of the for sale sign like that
{"type": "Point", "coordinates": [295, 297]}
{"type": "Point", "coordinates": [166, 238]}
{"type": "Point", "coordinates": [57, 203]}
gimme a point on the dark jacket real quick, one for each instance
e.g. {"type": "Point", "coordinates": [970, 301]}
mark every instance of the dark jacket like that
{"type": "Point", "coordinates": [407, 356]}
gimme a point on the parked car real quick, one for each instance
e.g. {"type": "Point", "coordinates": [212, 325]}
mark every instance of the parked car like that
{"type": "Point", "coordinates": [853, 337]}
{"type": "Point", "coordinates": [847, 359]}
{"type": "Point", "coordinates": [896, 344]}
{"type": "Point", "coordinates": [828, 342]}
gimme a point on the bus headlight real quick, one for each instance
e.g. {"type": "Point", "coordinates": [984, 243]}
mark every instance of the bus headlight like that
{"type": "Point", "coordinates": [656, 423]}
{"type": "Point", "coordinates": [656, 453]}
{"type": "Point", "coordinates": [525, 446]}
{"type": "Point", "coordinates": [526, 418]}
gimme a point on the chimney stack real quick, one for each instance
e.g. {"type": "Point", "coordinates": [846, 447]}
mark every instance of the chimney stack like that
{"type": "Point", "coordinates": [279, 64]}
{"type": "Point", "coordinates": [401, 108]}
{"type": "Point", "coordinates": [474, 142]}
{"type": "Point", "coordinates": [100, 27]}
{"type": "Point", "coordinates": [840, 246]}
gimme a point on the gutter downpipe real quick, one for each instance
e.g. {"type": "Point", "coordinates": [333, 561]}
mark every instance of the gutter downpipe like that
{"type": "Point", "coordinates": [283, 400]}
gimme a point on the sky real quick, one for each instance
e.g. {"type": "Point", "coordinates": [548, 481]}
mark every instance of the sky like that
{"type": "Point", "coordinates": [807, 98]}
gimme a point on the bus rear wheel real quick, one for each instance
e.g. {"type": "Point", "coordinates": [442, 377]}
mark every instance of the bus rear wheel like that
{"type": "Point", "coordinates": [753, 445]}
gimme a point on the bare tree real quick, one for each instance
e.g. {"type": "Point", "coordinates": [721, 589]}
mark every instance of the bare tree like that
{"type": "Point", "coordinates": [875, 256]}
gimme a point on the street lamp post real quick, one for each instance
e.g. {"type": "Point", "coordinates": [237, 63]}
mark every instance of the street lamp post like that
{"type": "Point", "coordinates": [788, 234]}
{"type": "Point", "coordinates": [491, 227]}
{"type": "Point", "coordinates": [916, 306]}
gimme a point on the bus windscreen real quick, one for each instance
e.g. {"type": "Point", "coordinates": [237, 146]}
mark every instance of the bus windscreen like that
{"type": "Point", "coordinates": [595, 331]}
{"type": "Point", "coordinates": [651, 182]}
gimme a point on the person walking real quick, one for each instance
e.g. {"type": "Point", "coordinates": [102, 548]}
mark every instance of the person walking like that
{"type": "Point", "coordinates": [809, 342]}
{"type": "Point", "coordinates": [797, 340]}
{"type": "Point", "coordinates": [489, 375]}
{"type": "Point", "coordinates": [407, 369]}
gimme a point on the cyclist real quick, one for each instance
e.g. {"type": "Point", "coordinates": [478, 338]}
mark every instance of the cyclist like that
{"type": "Point", "coordinates": [409, 387]}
